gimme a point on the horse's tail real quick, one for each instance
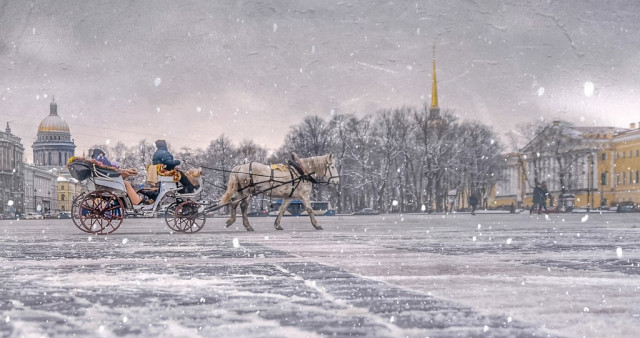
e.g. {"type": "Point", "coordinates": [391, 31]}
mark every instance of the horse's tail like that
{"type": "Point", "coordinates": [232, 187]}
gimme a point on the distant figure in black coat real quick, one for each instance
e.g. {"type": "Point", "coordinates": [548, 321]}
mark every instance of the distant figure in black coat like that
{"type": "Point", "coordinates": [473, 202]}
{"type": "Point", "coordinates": [163, 156]}
{"type": "Point", "coordinates": [539, 198]}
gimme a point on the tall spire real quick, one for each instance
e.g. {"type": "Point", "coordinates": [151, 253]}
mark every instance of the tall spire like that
{"type": "Point", "coordinates": [434, 110]}
{"type": "Point", "coordinates": [8, 129]}
{"type": "Point", "coordinates": [53, 107]}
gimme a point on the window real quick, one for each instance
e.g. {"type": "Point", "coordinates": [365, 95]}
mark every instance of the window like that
{"type": "Point", "coordinates": [62, 197]}
{"type": "Point", "coordinates": [637, 176]}
{"type": "Point", "coordinates": [603, 179]}
{"type": "Point", "coordinates": [603, 156]}
{"type": "Point", "coordinates": [624, 178]}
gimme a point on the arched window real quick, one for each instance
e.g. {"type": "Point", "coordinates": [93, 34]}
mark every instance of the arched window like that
{"type": "Point", "coordinates": [62, 197]}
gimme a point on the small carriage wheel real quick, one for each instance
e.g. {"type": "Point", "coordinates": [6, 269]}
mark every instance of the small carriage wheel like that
{"type": "Point", "coordinates": [188, 219]}
{"type": "Point", "coordinates": [75, 216]}
{"type": "Point", "coordinates": [100, 212]}
{"type": "Point", "coordinates": [169, 217]}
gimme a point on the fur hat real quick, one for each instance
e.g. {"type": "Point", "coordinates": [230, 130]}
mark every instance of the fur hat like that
{"type": "Point", "coordinates": [161, 144]}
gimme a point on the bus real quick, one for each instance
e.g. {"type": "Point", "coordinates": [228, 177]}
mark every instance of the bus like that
{"type": "Point", "coordinates": [320, 208]}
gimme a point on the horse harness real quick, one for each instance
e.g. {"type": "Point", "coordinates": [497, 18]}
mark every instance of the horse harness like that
{"type": "Point", "coordinates": [294, 169]}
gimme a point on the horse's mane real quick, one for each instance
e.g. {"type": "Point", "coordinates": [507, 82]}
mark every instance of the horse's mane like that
{"type": "Point", "coordinates": [317, 163]}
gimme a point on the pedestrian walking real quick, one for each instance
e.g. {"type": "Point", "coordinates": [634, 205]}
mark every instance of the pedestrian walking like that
{"type": "Point", "coordinates": [473, 202]}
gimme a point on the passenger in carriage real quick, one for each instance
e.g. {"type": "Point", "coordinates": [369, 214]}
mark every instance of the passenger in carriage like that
{"type": "Point", "coordinates": [163, 156]}
{"type": "Point", "coordinates": [136, 199]}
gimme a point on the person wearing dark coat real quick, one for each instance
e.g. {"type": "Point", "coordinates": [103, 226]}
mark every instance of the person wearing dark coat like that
{"type": "Point", "coordinates": [539, 198]}
{"type": "Point", "coordinates": [163, 156]}
{"type": "Point", "coordinates": [473, 202]}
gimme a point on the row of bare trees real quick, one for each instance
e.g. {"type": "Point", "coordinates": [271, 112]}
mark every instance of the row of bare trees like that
{"type": "Point", "coordinates": [397, 160]}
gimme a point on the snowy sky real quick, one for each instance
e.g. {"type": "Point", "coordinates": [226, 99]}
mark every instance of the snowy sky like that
{"type": "Point", "coordinates": [189, 71]}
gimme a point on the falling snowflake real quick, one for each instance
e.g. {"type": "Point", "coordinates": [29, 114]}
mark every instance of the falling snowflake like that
{"type": "Point", "coordinates": [236, 243]}
{"type": "Point", "coordinates": [619, 252]}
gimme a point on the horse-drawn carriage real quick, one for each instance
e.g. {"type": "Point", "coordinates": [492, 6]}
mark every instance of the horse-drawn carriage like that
{"type": "Point", "coordinates": [105, 204]}
{"type": "Point", "coordinates": [102, 208]}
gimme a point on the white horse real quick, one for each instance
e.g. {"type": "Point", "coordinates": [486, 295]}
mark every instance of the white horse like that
{"type": "Point", "coordinates": [281, 181]}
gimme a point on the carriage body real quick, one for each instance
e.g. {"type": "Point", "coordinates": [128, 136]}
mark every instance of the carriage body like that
{"type": "Point", "coordinates": [102, 208]}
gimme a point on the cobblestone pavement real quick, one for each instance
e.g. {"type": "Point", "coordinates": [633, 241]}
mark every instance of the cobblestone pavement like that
{"type": "Point", "coordinates": [489, 275]}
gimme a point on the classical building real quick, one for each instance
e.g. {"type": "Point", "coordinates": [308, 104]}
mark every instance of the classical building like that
{"type": "Point", "coordinates": [40, 189]}
{"type": "Point", "coordinates": [11, 173]}
{"type": "Point", "coordinates": [584, 167]}
{"type": "Point", "coordinates": [67, 188]}
{"type": "Point", "coordinates": [53, 145]}
{"type": "Point", "coordinates": [51, 151]}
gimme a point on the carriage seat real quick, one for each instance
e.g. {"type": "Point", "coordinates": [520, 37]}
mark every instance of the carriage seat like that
{"type": "Point", "coordinates": [157, 173]}
{"type": "Point", "coordinates": [82, 168]}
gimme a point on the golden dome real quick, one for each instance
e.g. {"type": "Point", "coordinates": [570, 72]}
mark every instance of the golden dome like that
{"type": "Point", "coordinates": [53, 122]}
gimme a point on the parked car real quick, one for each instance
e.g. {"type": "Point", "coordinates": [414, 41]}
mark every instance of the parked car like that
{"type": "Point", "coordinates": [627, 207]}
{"type": "Point", "coordinates": [64, 215]}
{"type": "Point", "coordinates": [366, 211]}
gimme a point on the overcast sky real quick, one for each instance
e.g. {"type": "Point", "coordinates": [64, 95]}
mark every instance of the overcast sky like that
{"type": "Point", "coordinates": [188, 71]}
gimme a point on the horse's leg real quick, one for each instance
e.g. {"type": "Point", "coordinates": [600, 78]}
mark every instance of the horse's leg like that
{"type": "Point", "coordinates": [233, 206]}
{"type": "Point", "coordinates": [244, 205]}
{"type": "Point", "coordinates": [283, 207]}
{"type": "Point", "coordinates": [307, 205]}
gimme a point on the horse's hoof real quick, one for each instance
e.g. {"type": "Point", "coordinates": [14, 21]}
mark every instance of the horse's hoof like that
{"type": "Point", "coordinates": [228, 224]}
{"type": "Point", "coordinates": [278, 227]}
{"type": "Point", "coordinates": [318, 228]}
{"type": "Point", "coordinates": [249, 228]}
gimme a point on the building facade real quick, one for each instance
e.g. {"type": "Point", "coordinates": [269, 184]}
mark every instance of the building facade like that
{"type": "Point", "coordinates": [11, 174]}
{"type": "Point", "coordinates": [51, 151]}
{"type": "Point", "coordinates": [601, 168]}
{"type": "Point", "coordinates": [40, 190]}
{"type": "Point", "coordinates": [68, 189]}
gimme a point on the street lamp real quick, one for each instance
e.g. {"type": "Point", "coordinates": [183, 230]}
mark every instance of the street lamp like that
{"type": "Point", "coordinates": [34, 199]}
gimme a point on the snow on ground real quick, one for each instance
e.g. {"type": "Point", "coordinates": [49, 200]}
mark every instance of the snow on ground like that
{"type": "Point", "coordinates": [387, 275]}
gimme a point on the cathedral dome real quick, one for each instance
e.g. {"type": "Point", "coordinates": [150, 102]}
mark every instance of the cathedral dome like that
{"type": "Point", "coordinates": [53, 122]}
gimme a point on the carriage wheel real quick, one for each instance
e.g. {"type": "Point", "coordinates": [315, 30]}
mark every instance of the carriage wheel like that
{"type": "Point", "coordinates": [188, 219]}
{"type": "Point", "coordinates": [169, 217]}
{"type": "Point", "coordinates": [75, 206]}
{"type": "Point", "coordinates": [100, 212]}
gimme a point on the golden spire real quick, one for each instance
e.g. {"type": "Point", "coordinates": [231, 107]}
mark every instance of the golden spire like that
{"type": "Point", "coordinates": [434, 86]}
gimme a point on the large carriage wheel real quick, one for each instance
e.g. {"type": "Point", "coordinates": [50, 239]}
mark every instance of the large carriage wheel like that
{"type": "Point", "coordinates": [100, 212]}
{"type": "Point", "coordinates": [169, 217]}
{"type": "Point", "coordinates": [75, 216]}
{"type": "Point", "coordinates": [187, 218]}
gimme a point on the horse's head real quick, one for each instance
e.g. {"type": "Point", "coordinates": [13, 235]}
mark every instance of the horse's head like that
{"type": "Point", "coordinates": [330, 171]}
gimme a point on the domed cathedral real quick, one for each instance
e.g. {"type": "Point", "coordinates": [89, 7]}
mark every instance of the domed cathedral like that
{"type": "Point", "coordinates": [53, 145]}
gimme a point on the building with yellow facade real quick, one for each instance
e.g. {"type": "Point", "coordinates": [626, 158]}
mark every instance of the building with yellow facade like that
{"type": "Point", "coordinates": [68, 189]}
{"type": "Point", "coordinates": [583, 167]}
